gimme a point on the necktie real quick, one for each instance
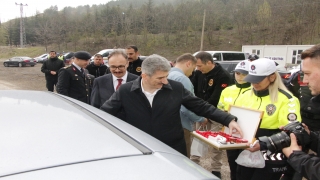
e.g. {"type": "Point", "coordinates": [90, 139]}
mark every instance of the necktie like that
{"type": "Point", "coordinates": [119, 83]}
{"type": "Point", "coordinates": [82, 72]}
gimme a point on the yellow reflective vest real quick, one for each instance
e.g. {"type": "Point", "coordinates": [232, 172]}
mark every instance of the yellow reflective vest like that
{"type": "Point", "coordinates": [61, 57]}
{"type": "Point", "coordinates": [277, 114]}
{"type": "Point", "coordinates": [229, 96]}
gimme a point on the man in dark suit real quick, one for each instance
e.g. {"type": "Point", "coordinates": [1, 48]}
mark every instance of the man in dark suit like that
{"type": "Point", "coordinates": [152, 103]}
{"type": "Point", "coordinates": [74, 81]}
{"type": "Point", "coordinates": [105, 86]}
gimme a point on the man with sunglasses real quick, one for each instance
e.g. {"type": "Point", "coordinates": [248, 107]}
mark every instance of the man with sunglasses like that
{"type": "Point", "coordinates": [105, 86]}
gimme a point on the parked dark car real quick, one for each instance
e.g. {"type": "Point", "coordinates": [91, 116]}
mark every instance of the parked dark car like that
{"type": "Point", "coordinates": [68, 139]}
{"type": "Point", "coordinates": [20, 61]}
{"type": "Point", "coordinates": [229, 66]}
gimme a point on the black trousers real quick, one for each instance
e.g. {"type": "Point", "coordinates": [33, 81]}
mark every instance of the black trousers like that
{"type": "Point", "coordinates": [232, 156]}
{"type": "Point", "coordinates": [50, 83]}
{"type": "Point", "coordinates": [272, 171]}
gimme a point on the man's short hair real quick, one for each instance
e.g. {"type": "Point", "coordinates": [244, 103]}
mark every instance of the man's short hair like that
{"type": "Point", "coordinates": [135, 48]}
{"type": "Point", "coordinates": [98, 55]}
{"type": "Point", "coordinates": [186, 57]}
{"type": "Point", "coordinates": [53, 51]}
{"type": "Point", "coordinates": [155, 63]}
{"type": "Point", "coordinates": [118, 52]}
{"type": "Point", "coordinates": [313, 52]}
{"type": "Point", "coordinates": [204, 57]}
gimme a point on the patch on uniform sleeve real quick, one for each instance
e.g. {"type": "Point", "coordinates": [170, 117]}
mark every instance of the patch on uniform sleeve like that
{"type": "Point", "coordinates": [271, 108]}
{"type": "Point", "coordinates": [292, 117]}
{"type": "Point", "coordinates": [224, 85]}
{"type": "Point", "coordinates": [138, 69]}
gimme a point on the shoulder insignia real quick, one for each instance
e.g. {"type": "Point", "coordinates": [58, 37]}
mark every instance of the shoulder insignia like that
{"type": "Point", "coordinates": [292, 117]}
{"type": "Point", "coordinates": [291, 105]}
{"type": "Point", "coordinates": [292, 110]}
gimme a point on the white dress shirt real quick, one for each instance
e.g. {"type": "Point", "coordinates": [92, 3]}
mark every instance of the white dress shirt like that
{"type": "Point", "coordinates": [115, 80]}
{"type": "Point", "coordinates": [149, 96]}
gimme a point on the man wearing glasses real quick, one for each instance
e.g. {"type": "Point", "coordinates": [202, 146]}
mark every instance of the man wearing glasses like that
{"type": "Point", "coordinates": [105, 86]}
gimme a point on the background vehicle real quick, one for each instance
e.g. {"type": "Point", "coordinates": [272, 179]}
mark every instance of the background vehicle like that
{"type": "Point", "coordinates": [40, 58]}
{"type": "Point", "coordinates": [143, 57]}
{"type": "Point", "coordinates": [68, 139]}
{"type": "Point", "coordinates": [229, 66]}
{"type": "Point", "coordinates": [105, 53]}
{"type": "Point", "coordinates": [227, 55]}
{"type": "Point", "coordinates": [67, 57]}
{"type": "Point", "coordinates": [296, 85]}
{"type": "Point", "coordinates": [20, 61]}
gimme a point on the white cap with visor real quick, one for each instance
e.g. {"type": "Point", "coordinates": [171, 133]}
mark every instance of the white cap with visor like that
{"type": "Point", "coordinates": [260, 69]}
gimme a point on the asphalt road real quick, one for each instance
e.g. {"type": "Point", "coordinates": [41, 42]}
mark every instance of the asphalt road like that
{"type": "Point", "coordinates": [21, 78]}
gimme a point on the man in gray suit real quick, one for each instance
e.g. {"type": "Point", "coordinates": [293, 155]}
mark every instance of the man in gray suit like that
{"type": "Point", "coordinates": [105, 86]}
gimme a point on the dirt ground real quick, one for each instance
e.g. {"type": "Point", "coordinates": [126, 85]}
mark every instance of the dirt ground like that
{"type": "Point", "coordinates": [31, 78]}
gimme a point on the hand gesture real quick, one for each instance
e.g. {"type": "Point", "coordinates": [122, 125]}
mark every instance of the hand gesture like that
{"type": "Point", "coordinates": [235, 128]}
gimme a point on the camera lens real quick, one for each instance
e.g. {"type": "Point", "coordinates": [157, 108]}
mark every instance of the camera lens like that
{"type": "Point", "coordinates": [277, 141]}
{"type": "Point", "coordinates": [280, 140]}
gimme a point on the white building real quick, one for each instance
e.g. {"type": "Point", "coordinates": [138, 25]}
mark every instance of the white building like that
{"type": "Point", "coordinates": [284, 55]}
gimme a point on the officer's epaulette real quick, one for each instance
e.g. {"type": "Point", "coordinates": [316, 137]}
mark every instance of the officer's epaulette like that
{"type": "Point", "coordinates": [289, 96]}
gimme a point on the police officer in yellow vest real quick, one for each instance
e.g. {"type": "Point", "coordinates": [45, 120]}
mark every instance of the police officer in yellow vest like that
{"type": "Point", "coordinates": [268, 94]}
{"type": "Point", "coordinates": [228, 97]}
{"type": "Point", "coordinates": [230, 94]}
{"type": "Point", "coordinates": [61, 56]}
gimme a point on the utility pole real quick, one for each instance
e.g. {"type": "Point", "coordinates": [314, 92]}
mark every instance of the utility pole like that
{"type": "Point", "coordinates": [202, 33]}
{"type": "Point", "coordinates": [22, 28]}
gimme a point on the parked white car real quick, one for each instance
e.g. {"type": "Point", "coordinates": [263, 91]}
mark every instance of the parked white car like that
{"type": "Point", "coordinates": [105, 53]}
{"type": "Point", "coordinates": [41, 58]}
{"type": "Point", "coordinates": [67, 139]}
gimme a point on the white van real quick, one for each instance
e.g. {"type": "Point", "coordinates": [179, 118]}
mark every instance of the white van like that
{"type": "Point", "coordinates": [227, 55]}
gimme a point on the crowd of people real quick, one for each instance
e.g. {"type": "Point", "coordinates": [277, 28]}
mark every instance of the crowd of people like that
{"type": "Point", "coordinates": [170, 102]}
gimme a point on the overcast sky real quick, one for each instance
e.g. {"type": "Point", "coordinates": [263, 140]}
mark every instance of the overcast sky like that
{"type": "Point", "coordinates": [9, 10]}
